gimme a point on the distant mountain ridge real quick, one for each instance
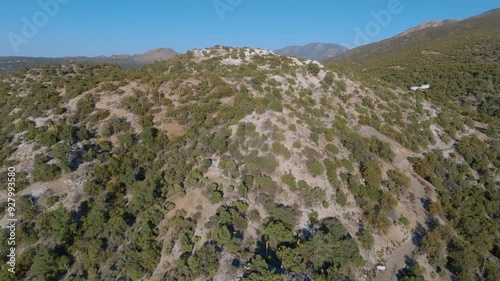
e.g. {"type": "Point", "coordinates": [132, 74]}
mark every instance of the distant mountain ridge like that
{"type": "Point", "coordinates": [313, 51]}
{"type": "Point", "coordinates": [148, 57]}
{"type": "Point", "coordinates": [459, 59]}
{"type": "Point", "coordinates": [9, 64]}
{"type": "Point", "coordinates": [433, 23]}
{"type": "Point", "coordinates": [432, 36]}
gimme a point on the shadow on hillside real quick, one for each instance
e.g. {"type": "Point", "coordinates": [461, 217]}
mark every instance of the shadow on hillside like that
{"type": "Point", "coordinates": [418, 234]}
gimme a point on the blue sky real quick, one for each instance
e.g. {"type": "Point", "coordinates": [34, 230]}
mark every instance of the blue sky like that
{"type": "Point", "coordinates": [105, 27]}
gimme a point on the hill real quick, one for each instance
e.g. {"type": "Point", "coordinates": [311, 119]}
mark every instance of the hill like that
{"type": "Point", "coordinates": [10, 64]}
{"type": "Point", "coordinates": [459, 59]}
{"type": "Point", "coordinates": [458, 36]}
{"type": "Point", "coordinates": [230, 164]}
{"type": "Point", "coordinates": [313, 51]}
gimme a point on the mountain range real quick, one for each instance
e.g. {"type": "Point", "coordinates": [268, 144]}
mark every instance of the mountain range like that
{"type": "Point", "coordinates": [9, 64]}
{"type": "Point", "coordinates": [420, 37]}
{"type": "Point", "coordinates": [313, 51]}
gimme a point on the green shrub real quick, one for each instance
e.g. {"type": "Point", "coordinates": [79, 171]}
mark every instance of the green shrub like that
{"type": "Point", "coordinates": [48, 137]}
{"type": "Point", "coordinates": [315, 167]}
{"type": "Point", "coordinates": [280, 149]}
{"type": "Point", "coordinates": [267, 164]}
{"type": "Point", "coordinates": [266, 183]}
{"type": "Point", "coordinates": [228, 165]}
{"type": "Point", "coordinates": [314, 137]}
{"type": "Point", "coordinates": [297, 144]}
{"type": "Point", "coordinates": [329, 79]}
{"type": "Point", "coordinates": [254, 215]}
{"type": "Point", "coordinates": [403, 220]}
{"type": "Point", "coordinates": [276, 106]}
{"type": "Point", "coordinates": [313, 68]}
{"type": "Point", "coordinates": [371, 173]}
{"type": "Point", "coordinates": [382, 149]}
{"type": "Point", "coordinates": [52, 200]}
{"type": "Point", "coordinates": [289, 180]}
{"type": "Point", "coordinates": [242, 190]}
{"type": "Point", "coordinates": [333, 149]}
{"type": "Point", "coordinates": [341, 197]}
{"type": "Point", "coordinates": [92, 188]}
{"type": "Point", "coordinates": [399, 178]}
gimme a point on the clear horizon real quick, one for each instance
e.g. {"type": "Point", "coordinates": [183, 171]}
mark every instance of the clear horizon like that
{"type": "Point", "coordinates": [58, 28]}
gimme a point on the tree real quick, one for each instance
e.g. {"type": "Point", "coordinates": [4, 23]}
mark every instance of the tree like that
{"type": "Point", "coordinates": [58, 224]}
{"type": "Point", "coordinates": [433, 246]}
{"type": "Point", "coordinates": [291, 259]}
{"type": "Point", "coordinates": [277, 232]}
{"type": "Point", "coordinates": [259, 271]}
{"type": "Point", "coordinates": [148, 135]}
{"type": "Point", "coordinates": [366, 239]}
{"type": "Point", "coordinates": [185, 240]}
{"type": "Point", "coordinates": [45, 172]}
{"type": "Point", "coordinates": [331, 246]}
{"type": "Point", "coordinates": [47, 265]}
{"type": "Point", "coordinates": [222, 235]}
{"type": "Point", "coordinates": [61, 153]}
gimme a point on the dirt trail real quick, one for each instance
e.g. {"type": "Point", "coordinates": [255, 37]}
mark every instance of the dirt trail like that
{"type": "Point", "coordinates": [395, 261]}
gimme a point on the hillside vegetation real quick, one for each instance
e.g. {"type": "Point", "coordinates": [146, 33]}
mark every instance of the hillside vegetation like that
{"type": "Point", "coordinates": [230, 163]}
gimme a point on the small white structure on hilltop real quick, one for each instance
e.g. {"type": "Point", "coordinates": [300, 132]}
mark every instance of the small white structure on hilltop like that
{"type": "Point", "coordinates": [381, 267]}
{"type": "Point", "coordinates": [423, 87]}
